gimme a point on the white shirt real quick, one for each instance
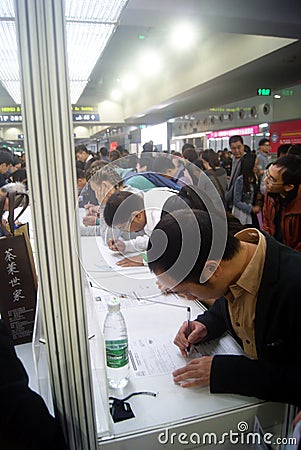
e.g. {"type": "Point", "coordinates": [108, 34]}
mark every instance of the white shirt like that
{"type": "Point", "coordinates": [154, 200]}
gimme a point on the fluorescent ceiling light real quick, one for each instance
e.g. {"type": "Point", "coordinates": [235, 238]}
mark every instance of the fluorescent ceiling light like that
{"type": "Point", "coordinates": [116, 95]}
{"type": "Point", "coordinates": [150, 64]}
{"type": "Point", "coordinates": [277, 96]}
{"type": "Point", "coordinates": [191, 135]}
{"type": "Point", "coordinates": [129, 82]}
{"type": "Point", "coordinates": [9, 67]}
{"type": "Point", "coordinates": [183, 36]}
{"type": "Point", "coordinates": [89, 26]}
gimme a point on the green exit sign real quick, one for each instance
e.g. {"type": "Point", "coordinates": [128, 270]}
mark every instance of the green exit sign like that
{"type": "Point", "coordinates": [264, 92]}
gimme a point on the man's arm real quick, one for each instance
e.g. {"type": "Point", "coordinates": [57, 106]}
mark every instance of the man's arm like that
{"type": "Point", "coordinates": [262, 379]}
{"type": "Point", "coordinates": [139, 244]}
{"type": "Point", "coordinates": [215, 319]}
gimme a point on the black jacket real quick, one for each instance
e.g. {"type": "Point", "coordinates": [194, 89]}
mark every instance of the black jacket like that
{"type": "Point", "coordinates": [276, 375]}
{"type": "Point", "coordinates": [25, 423]}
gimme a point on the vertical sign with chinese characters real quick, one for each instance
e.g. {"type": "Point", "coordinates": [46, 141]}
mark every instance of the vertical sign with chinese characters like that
{"type": "Point", "coordinates": [18, 288]}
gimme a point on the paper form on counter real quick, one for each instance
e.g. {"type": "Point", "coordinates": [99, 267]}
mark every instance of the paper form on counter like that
{"type": "Point", "coordinates": [157, 355]}
{"type": "Point", "coordinates": [103, 258]}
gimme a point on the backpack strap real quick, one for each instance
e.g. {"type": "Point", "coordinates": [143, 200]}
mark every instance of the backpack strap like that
{"type": "Point", "coordinates": [14, 200]}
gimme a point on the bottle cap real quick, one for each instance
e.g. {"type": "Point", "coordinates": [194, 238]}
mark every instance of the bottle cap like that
{"type": "Point", "coordinates": [113, 304]}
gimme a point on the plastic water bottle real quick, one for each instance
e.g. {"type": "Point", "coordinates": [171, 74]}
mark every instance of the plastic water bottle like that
{"type": "Point", "coordinates": [116, 343]}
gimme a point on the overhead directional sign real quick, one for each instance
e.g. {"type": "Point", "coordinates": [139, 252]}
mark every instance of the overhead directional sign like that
{"type": "Point", "coordinates": [10, 118]}
{"type": "Point", "coordinates": [85, 117]}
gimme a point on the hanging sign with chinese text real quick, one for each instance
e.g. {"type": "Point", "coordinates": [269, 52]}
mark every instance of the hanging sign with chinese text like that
{"type": "Point", "coordinates": [18, 287]}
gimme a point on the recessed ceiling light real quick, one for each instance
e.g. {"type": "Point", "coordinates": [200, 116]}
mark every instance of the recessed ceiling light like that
{"type": "Point", "coordinates": [89, 26]}
{"type": "Point", "coordinates": [116, 95]}
{"type": "Point", "coordinates": [129, 82]}
{"type": "Point", "coordinates": [277, 96]}
{"type": "Point", "coordinates": [150, 64]}
{"type": "Point", "coordinates": [183, 36]}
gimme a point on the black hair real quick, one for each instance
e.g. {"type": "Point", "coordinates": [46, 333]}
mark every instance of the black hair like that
{"type": "Point", "coordinates": [6, 157]}
{"type": "Point", "coordinates": [211, 157]}
{"type": "Point", "coordinates": [263, 141]}
{"type": "Point", "coordinates": [235, 138]}
{"type": "Point", "coordinates": [246, 170]}
{"type": "Point", "coordinates": [104, 151]}
{"type": "Point", "coordinates": [19, 175]}
{"type": "Point", "coordinates": [162, 164]}
{"type": "Point", "coordinates": [295, 150]}
{"type": "Point", "coordinates": [290, 169]}
{"type": "Point", "coordinates": [147, 147]}
{"type": "Point", "coordinates": [80, 173]}
{"type": "Point", "coordinates": [187, 146]}
{"type": "Point", "coordinates": [199, 163]}
{"type": "Point", "coordinates": [114, 155]}
{"type": "Point", "coordinates": [82, 148]}
{"type": "Point", "coordinates": [190, 154]}
{"type": "Point", "coordinates": [283, 149]}
{"type": "Point", "coordinates": [182, 242]}
{"type": "Point", "coordinates": [16, 160]}
{"type": "Point", "coordinates": [120, 206]}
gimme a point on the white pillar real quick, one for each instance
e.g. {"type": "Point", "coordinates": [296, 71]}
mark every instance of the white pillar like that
{"type": "Point", "coordinates": [47, 121]}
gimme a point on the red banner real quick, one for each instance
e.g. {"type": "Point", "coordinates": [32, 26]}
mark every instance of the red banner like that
{"type": "Point", "coordinates": [113, 145]}
{"type": "Point", "coordinates": [288, 132]}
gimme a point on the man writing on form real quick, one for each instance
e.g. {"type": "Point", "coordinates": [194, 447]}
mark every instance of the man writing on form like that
{"type": "Point", "coordinates": [257, 282]}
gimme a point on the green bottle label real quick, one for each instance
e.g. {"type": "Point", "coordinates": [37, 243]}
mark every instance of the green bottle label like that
{"type": "Point", "coordinates": [117, 353]}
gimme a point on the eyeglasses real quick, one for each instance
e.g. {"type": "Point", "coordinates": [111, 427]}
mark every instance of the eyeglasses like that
{"type": "Point", "coordinates": [271, 180]}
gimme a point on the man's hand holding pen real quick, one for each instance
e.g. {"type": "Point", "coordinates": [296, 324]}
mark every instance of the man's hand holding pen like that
{"type": "Point", "coordinates": [116, 245]}
{"type": "Point", "coordinates": [197, 371]}
{"type": "Point", "coordinates": [197, 333]}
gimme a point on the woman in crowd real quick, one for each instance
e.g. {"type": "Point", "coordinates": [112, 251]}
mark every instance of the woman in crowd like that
{"type": "Point", "coordinates": [247, 196]}
{"type": "Point", "coordinates": [214, 174]}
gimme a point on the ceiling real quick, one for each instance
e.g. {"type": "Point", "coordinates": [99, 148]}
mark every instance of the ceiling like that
{"type": "Point", "coordinates": [215, 21]}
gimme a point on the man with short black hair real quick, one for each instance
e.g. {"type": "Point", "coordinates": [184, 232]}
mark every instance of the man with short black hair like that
{"type": "Point", "coordinates": [282, 201]}
{"type": "Point", "coordinates": [187, 146]}
{"type": "Point", "coordinates": [257, 282]}
{"type": "Point", "coordinates": [84, 155]}
{"type": "Point", "coordinates": [237, 147]}
{"type": "Point", "coordinates": [264, 147]}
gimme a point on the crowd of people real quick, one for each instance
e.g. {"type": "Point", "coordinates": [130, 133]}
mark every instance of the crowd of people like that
{"type": "Point", "coordinates": [251, 290]}
{"type": "Point", "coordinates": [256, 191]}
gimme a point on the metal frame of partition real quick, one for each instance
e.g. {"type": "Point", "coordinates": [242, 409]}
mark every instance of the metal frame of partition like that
{"type": "Point", "coordinates": [50, 153]}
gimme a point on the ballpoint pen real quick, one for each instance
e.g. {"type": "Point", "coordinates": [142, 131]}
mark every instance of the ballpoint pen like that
{"type": "Point", "coordinates": [115, 240]}
{"type": "Point", "coordinates": [188, 349]}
